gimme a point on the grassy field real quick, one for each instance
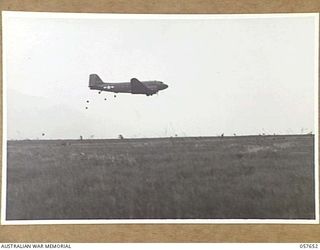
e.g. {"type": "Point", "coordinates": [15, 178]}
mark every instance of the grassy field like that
{"type": "Point", "coordinates": [255, 177]}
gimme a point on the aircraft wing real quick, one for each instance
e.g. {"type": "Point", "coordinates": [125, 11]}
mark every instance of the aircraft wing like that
{"type": "Point", "coordinates": [139, 87]}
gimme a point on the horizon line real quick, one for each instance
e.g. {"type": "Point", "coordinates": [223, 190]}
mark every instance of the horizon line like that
{"type": "Point", "coordinates": [165, 137]}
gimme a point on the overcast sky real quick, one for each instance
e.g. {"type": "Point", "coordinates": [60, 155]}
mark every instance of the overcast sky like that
{"type": "Point", "coordinates": [239, 75]}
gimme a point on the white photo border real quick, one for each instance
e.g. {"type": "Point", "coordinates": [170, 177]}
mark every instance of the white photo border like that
{"type": "Point", "coordinates": [58, 15]}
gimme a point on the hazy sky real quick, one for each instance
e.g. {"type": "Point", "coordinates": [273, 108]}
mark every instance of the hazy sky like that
{"type": "Point", "coordinates": [240, 75]}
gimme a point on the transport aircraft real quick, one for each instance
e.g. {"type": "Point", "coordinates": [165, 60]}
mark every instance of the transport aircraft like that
{"type": "Point", "coordinates": [133, 87]}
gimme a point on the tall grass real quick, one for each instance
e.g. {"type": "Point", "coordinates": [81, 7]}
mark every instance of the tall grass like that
{"type": "Point", "coordinates": [242, 177]}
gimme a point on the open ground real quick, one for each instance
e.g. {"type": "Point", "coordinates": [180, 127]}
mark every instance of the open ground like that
{"type": "Point", "coordinates": [241, 177]}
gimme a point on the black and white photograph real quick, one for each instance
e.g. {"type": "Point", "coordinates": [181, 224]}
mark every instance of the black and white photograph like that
{"type": "Point", "coordinates": [160, 118]}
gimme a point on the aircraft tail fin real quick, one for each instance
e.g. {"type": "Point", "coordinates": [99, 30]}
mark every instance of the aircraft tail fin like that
{"type": "Point", "coordinates": [94, 80]}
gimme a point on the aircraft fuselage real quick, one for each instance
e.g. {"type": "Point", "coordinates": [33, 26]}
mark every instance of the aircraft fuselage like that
{"type": "Point", "coordinates": [125, 87]}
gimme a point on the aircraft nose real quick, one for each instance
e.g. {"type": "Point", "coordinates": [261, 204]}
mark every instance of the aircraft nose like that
{"type": "Point", "coordinates": [165, 86]}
